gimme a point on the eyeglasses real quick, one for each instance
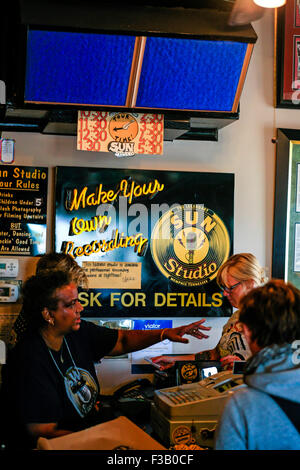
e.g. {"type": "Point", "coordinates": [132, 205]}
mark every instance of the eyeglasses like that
{"type": "Point", "coordinates": [231, 288]}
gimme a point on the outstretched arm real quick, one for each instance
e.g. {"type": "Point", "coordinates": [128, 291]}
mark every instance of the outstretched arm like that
{"type": "Point", "coordinates": [134, 340]}
{"type": "Point", "coordinates": [165, 362]}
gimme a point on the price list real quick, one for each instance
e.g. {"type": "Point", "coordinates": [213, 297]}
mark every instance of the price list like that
{"type": "Point", "coordinates": [122, 133]}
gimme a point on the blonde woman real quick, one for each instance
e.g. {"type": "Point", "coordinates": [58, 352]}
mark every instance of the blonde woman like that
{"type": "Point", "coordinates": [236, 277]}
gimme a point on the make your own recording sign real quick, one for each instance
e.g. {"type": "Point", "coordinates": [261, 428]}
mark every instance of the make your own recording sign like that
{"type": "Point", "coordinates": [151, 242]}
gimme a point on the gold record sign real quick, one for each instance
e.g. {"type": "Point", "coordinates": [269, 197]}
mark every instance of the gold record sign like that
{"type": "Point", "coordinates": [189, 372]}
{"type": "Point", "coordinates": [189, 243]}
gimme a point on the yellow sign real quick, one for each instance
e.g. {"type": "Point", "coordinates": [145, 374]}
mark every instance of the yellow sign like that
{"type": "Point", "coordinates": [113, 275]}
{"type": "Point", "coordinates": [182, 435]}
{"type": "Point", "coordinates": [189, 372]}
{"type": "Point", "coordinates": [189, 243]}
{"type": "Point", "coordinates": [122, 133]}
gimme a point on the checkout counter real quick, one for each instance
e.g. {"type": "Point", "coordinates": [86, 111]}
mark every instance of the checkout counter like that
{"type": "Point", "coordinates": [184, 404]}
{"type": "Point", "coordinates": [160, 418]}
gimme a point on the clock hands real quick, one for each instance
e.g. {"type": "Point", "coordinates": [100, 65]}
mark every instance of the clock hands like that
{"type": "Point", "coordinates": [125, 126]}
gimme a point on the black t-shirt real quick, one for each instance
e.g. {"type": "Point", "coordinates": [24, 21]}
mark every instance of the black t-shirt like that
{"type": "Point", "coordinates": [45, 386]}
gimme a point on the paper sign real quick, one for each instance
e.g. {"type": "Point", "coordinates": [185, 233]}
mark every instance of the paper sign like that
{"type": "Point", "coordinates": [158, 349]}
{"type": "Point", "coordinates": [122, 133]}
{"type": "Point", "coordinates": [113, 275]}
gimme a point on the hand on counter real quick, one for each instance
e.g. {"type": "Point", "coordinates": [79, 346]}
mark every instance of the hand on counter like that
{"type": "Point", "coordinates": [166, 362]}
{"type": "Point", "coordinates": [227, 361]}
{"type": "Point", "coordinates": [175, 334]}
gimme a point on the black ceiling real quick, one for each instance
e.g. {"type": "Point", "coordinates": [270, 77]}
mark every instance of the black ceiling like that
{"type": "Point", "coordinates": [189, 18]}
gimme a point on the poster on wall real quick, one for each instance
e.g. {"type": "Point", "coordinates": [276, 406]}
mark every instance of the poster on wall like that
{"type": "Point", "coordinates": [287, 32]}
{"type": "Point", "coordinates": [151, 242]}
{"type": "Point", "coordinates": [23, 210]}
{"type": "Point", "coordinates": [286, 239]}
{"type": "Point", "coordinates": [122, 133]}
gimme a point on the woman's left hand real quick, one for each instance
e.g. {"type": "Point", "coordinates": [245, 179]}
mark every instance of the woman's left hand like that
{"type": "Point", "coordinates": [193, 329]}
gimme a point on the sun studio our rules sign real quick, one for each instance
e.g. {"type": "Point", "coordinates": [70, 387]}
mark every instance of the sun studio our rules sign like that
{"type": "Point", "coordinates": [122, 133]}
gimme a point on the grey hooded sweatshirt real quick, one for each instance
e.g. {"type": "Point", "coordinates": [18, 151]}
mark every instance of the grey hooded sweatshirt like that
{"type": "Point", "coordinates": [251, 419]}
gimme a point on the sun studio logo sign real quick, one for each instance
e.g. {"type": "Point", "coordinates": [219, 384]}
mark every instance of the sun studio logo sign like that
{"type": "Point", "coordinates": [173, 230]}
{"type": "Point", "coordinates": [189, 243]}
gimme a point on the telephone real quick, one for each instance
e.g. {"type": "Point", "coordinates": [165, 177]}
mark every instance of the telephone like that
{"type": "Point", "coordinates": [134, 399]}
{"type": "Point", "coordinates": [139, 389]}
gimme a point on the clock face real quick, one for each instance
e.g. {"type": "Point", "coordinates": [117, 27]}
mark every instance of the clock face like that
{"type": "Point", "coordinates": [123, 127]}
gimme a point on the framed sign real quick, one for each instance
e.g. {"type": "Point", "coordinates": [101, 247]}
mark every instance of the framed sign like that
{"type": "Point", "coordinates": [287, 21]}
{"type": "Point", "coordinates": [286, 241]}
{"type": "Point", "coordinates": [122, 133]}
{"type": "Point", "coordinates": [151, 242]}
{"type": "Point", "coordinates": [23, 210]}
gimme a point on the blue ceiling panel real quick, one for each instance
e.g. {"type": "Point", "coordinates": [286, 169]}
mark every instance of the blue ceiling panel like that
{"type": "Point", "coordinates": [82, 68]}
{"type": "Point", "coordinates": [190, 74]}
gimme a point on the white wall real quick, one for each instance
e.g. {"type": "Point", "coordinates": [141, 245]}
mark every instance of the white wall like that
{"type": "Point", "coordinates": [244, 148]}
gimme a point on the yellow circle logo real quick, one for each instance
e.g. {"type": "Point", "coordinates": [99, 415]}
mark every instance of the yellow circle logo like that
{"type": "Point", "coordinates": [123, 127]}
{"type": "Point", "coordinates": [182, 435]}
{"type": "Point", "coordinates": [189, 243]}
{"type": "Point", "coordinates": [189, 372]}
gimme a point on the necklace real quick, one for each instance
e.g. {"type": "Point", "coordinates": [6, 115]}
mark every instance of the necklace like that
{"type": "Point", "coordinates": [80, 381]}
{"type": "Point", "coordinates": [61, 357]}
{"type": "Point", "coordinates": [80, 387]}
{"type": "Point", "coordinates": [61, 353]}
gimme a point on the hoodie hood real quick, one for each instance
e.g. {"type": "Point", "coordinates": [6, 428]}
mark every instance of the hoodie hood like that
{"type": "Point", "coordinates": [275, 370]}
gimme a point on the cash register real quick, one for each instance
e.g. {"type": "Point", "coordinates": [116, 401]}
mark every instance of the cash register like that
{"type": "Point", "coordinates": [189, 413]}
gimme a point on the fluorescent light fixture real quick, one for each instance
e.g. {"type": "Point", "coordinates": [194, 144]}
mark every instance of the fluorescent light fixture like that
{"type": "Point", "coordinates": [156, 73]}
{"type": "Point", "coordinates": [270, 3]}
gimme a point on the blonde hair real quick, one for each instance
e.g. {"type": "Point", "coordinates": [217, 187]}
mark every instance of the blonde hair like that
{"type": "Point", "coordinates": [243, 267]}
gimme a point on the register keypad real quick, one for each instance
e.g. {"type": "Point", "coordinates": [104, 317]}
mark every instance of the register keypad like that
{"type": "Point", "coordinates": [182, 396]}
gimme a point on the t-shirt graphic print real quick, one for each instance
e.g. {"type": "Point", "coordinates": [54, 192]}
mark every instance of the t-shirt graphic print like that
{"type": "Point", "coordinates": [81, 389]}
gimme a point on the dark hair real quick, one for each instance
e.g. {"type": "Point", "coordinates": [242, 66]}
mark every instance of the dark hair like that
{"type": "Point", "coordinates": [62, 262]}
{"type": "Point", "coordinates": [38, 292]}
{"type": "Point", "coordinates": [272, 313]}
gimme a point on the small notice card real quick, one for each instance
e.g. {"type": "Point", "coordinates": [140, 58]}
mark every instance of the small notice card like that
{"type": "Point", "coordinates": [114, 275]}
{"type": "Point", "coordinates": [122, 133]}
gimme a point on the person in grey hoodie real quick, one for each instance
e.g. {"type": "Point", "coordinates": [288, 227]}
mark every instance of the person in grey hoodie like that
{"type": "Point", "coordinates": [264, 414]}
